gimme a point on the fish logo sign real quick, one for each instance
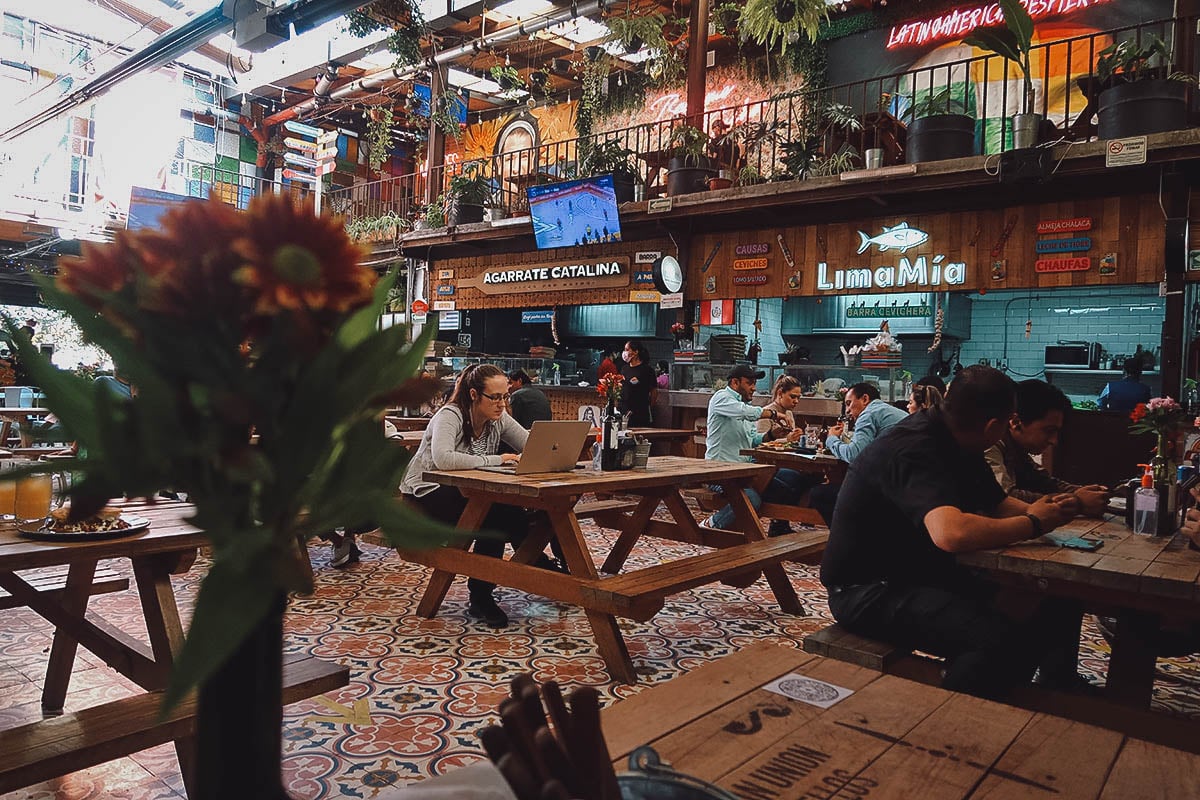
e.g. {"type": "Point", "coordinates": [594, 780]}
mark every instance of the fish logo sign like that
{"type": "Point", "coordinates": [899, 237]}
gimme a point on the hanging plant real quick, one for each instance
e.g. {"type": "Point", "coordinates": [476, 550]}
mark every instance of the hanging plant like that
{"type": "Point", "coordinates": [539, 81]}
{"type": "Point", "coordinates": [592, 80]}
{"type": "Point", "coordinates": [444, 113]}
{"type": "Point", "coordinates": [725, 17]}
{"type": "Point", "coordinates": [509, 78]}
{"type": "Point", "coordinates": [637, 31]}
{"type": "Point", "coordinates": [775, 24]}
{"type": "Point", "coordinates": [379, 136]}
{"type": "Point", "coordinates": [405, 21]}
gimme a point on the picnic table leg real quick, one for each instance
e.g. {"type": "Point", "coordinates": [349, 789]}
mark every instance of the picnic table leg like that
{"type": "Point", "coordinates": [630, 532]}
{"type": "Point", "coordinates": [163, 626]}
{"type": "Point", "coordinates": [439, 582]}
{"type": "Point", "coordinates": [1131, 665]}
{"type": "Point", "coordinates": [777, 578]}
{"type": "Point", "coordinates": [604, 626]}
{"type": "Point", "coordinates": [62, 652]}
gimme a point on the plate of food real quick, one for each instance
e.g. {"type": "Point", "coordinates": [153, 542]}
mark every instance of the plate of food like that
{"type": "Point", "coordinates": [109, 522]}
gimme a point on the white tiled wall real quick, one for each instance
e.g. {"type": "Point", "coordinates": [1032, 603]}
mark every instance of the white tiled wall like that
{"type": "Point", "coordinates": [770, 311]}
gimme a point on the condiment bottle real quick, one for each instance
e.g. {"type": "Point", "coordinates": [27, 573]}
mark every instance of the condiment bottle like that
{"type": "Point", "coordinates": [1145, 505]}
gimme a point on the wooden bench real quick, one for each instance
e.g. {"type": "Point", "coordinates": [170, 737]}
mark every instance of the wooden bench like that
{"type": "Point", "coordinates": [711, 501]}
{"type": "Point", "coordinates": [57, 746]}
{"type": "Point", "coordinates": [836, 642]}
{"type": "Point", "coordinates": [639, 595]}
{"type": "Point", "coordinates": [52, 581]}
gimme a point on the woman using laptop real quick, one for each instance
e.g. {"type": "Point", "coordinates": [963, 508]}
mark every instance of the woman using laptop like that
{"type": "Point", "coordinates": [466, 433]}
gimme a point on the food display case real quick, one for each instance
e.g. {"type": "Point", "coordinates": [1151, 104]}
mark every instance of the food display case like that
{"type": "Point", "coordinates": [818, 381]}
{"type": "Point", "coordinates": [547, 371]}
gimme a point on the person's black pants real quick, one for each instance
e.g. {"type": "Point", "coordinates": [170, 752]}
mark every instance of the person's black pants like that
{"type": "Point", "coordinates": [988, 650]}
{"type": "Point", "coordinates": [446, 504]}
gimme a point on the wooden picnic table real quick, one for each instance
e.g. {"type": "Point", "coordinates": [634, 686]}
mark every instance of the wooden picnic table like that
{"type": "Point", "coordinates": [738, 556]}
{"type": "Point", "coordinates": [21, 418]}
{"type": "Point", "coordinates": [830, 466]}
{"type": "Point", "coordinates": [890, 738]}
{"type": "Point", "coordinates": [1137, 579]}
{"type": "Point", "coordinates": [85, 737]}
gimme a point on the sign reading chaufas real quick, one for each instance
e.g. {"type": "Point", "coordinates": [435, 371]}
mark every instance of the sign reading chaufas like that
{"type": "Point", "coordinates": [555, 276]}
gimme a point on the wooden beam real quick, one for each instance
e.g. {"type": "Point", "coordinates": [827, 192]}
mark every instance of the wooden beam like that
{"type": "Point", "coordinates": [697, 62]}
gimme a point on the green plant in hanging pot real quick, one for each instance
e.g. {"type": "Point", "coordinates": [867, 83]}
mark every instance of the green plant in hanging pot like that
{"type": "Point", "coordinates": [725, 18]}
{"type": "Point", "coordinates": [776, 24]}
{"type": "Point", "coordinates": [1014, 43]}
{"type": "Point", "coordinates": [635, 31]}
{"type": "Point", "coordinates": [378, 137]}
{"type": "Point", "coordinates": [405, 21]}
{"type": "Point", "coordinates": [445, 113]}
{"type": "Point", "coordinates": [689, 167]}
{"type": "Point", "coordinates": [1138, 91]}
{"type": "Point", "coordinates": [509, 78]}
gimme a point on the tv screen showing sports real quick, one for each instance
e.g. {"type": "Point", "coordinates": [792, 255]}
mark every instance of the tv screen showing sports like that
{"type": "Point", "coordinates": [146, 207]}
{"type": "Point", "coordinates": [575, 212]}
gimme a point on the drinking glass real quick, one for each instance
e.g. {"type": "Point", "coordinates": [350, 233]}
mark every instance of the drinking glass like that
{"type": "Point", "coordinates": [33, 497]}
{"type": "Point", "coordinates": [8, 492]}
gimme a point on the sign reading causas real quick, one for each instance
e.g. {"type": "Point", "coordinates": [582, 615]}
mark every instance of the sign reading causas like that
{"type": "Point", "coordinates": [759, 249]}
{"type": "Point", "coordinates": [918, 271]}
{"type": "Point", "coordinates": [1063, 245]}
{"type": "Point", "coordinates": [1062, 264]}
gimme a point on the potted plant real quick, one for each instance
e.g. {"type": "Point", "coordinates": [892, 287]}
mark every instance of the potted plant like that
{"type": "Point", "coordinates": [778, 23]}
{"type": "Point", "coordinates": [939, 128]}
{"type": "Point", "coordinates": [1139, 94]}
{"type": "Point", "coordinates": [378, 138]}
{"type": "Point", "coordinates": [470, 191]}
{"type": "Point", "coordinates": [432, 215]}
{"type": "Point", "coordinates": [1014, 43]}
{"type": "Point", "coordinates": [725, 17]}
{"type": "Point", "coordinates": [635, 31]}
{"type": "Point", "coordinates": [444, 113]}
{"type": "Point", "coordinates": [689, 166]}
{"type": "Point", "coordinates": [612, 156]}
{"type": "Point", "coordinates": [509, 78]}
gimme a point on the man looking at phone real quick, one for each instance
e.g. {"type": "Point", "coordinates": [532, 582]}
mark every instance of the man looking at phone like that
{"type": "Point", "coordinates": [1041, 411]}
{"type": "Point", "coordinates": [916, 496]}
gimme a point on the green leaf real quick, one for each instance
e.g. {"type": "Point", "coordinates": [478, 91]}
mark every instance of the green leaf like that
{"type": "Point", "coordinates": [1019, 23]}
{"type": "Point", "coordinates": [996, 40]}
{"type": "Point", "coordinates": [233, 599]}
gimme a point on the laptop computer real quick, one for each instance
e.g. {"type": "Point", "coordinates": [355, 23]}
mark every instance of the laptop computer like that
{"type": "Point", "coordinates": [553, 446]}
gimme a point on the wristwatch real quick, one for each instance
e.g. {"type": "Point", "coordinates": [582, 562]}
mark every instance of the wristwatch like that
{"type": "Point", "coordinates": [1037, 526]}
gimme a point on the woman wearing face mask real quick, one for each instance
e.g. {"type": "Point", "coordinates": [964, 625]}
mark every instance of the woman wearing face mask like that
{"type": "Point", "coordinates": [464, 434]}
{"type": "Point", "coordinates": [640, 384]}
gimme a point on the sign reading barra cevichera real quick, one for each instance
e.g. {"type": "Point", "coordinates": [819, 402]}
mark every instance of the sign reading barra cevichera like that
{"type": "Point", "coordinates": [554, 276]}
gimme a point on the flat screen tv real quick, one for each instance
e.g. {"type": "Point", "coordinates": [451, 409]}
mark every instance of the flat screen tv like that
{"type": "Point", "coordinates": [146, 206]}
{"type": "Point", "coordinates": [576, 212]}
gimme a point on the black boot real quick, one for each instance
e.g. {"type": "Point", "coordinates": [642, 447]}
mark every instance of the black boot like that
{"type": "Point", "coordinates": [483, 606]}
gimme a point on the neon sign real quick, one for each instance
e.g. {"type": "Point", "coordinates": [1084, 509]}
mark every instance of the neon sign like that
{"type": "Point", "coordinates": [922, 271]}
{"type": "Point", "coordinates": [959, 22]}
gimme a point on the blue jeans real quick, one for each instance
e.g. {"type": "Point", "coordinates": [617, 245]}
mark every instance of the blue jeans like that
{"type": "Point", "coordinates": [785, 488]}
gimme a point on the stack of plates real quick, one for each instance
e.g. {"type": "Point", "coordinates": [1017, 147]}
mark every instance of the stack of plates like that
{"type": "Point", "coordinates": [542, 352]}
{"type": "Point", "coordinates": [732, 345]}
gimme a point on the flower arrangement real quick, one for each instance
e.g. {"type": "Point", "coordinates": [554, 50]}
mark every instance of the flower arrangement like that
{"type": "Point", "coordinates": [231, 324]}
{"type": "Point", "coordinates": [8, 376]}
{"type": "Point", "coordinates": [678, 329]}
{"type": "Point", "coordinates": [1162, 416]}
{"type": "Point", "coordinates": [609, 387]}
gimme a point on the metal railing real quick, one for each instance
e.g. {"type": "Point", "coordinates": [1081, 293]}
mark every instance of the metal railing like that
{"type": "Point", "coordinates": [807, 133]}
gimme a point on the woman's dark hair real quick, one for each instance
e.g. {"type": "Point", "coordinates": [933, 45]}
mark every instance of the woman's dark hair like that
{"type": "Point", "coordinates": [473, 377]}
{"type": "Point", "coordinates": [663, 367]}
{"type": "Point", "coordinates": [642, 353]}
{"type": "Point", "coordinates": [926, 395]}
{"type": "Point", "coordinates": [784, 385]}
{"type": "Point", "coordinates": [935, 382]}
{"type": "Point", "coordinates": [1133, 366]}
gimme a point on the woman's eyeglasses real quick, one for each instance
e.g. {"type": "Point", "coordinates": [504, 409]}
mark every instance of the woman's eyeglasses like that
{"type": "Point", "coordinates": [499, 398]}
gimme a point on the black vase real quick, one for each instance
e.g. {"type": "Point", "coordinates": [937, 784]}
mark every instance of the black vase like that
{"type": "Point", "coordinates": [940, 136]}
{"type": "Point", "coordinates": [623, 185]}
{"type": "Point", "coordinates": [239, 718]}
{"type": "Point", "coordinates": [1134, 109]}
{"type": "Point", "coordinates": [686, 175]}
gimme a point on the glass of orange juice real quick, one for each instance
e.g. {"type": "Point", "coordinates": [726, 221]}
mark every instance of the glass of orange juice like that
{"type": "Point", "coordinates": [8, 498]}
{"type": "Point", "coordinates": [33, 497]}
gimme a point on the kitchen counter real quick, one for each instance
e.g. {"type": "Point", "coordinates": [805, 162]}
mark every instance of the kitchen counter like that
{"type": "Point", "coordinates": [807, 407]}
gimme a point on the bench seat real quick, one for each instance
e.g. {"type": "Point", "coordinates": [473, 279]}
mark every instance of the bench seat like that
{"type": "Point", "coordinates": [57, 746]}
{"type": "Point", "coordinates": [52, 581]}
{"type": "Point", "coordinates": [836, 642]}
{"type": "Point", "coordinates": [639, 595]}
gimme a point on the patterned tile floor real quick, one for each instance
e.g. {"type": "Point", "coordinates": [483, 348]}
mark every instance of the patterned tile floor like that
{"type": "Point", "coordinates": [421, 689]}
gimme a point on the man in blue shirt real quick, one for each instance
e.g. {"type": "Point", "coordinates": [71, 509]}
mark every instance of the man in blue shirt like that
{"type": "Point", "coordinates": [871, 417]}
{"type": "Point", "coordinates": [1125, 394]}
{"type": "Point", "coordinates": [732, 428]}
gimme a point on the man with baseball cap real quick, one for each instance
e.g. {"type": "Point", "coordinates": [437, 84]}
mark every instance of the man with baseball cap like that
{"type": "Point", "coordinates": [732, 427]}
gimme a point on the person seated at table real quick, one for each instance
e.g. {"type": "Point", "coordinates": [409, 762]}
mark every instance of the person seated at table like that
{"type": "Point", "coordinates": [1041, 410]}
{"type": "Point", "coordinates": [722, 148]}
{"type": "Point", "coordinates": [732, 428]}
{"type": "Point", "coordinates": [785, 395]}
{"type": "Point", "coordinates": [916, 496]}
{"type": "Point", "coordinates": [528, 403]}
{"type": "Point", "coordinates": [466, 433]}
{"type": "Point", "coordinates": [1125, 394]}
{"type": "Point", "coordinates": [926, 393]}
{"type": "Point", "coordinates": [663, 381]}
{"type": "Point", "coordinates": [871, 417]}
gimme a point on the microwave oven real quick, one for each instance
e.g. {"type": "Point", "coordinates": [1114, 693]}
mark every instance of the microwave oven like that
{"type": "Point", "coordinates": [1073, 355]}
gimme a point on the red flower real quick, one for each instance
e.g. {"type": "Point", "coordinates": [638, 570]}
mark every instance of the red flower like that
{"type": "Point", "coordinates": [1138, 412]}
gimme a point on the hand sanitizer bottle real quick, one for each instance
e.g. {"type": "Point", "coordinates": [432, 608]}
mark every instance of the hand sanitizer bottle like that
{"type": "Point", "coordinates": [1145, 505]}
